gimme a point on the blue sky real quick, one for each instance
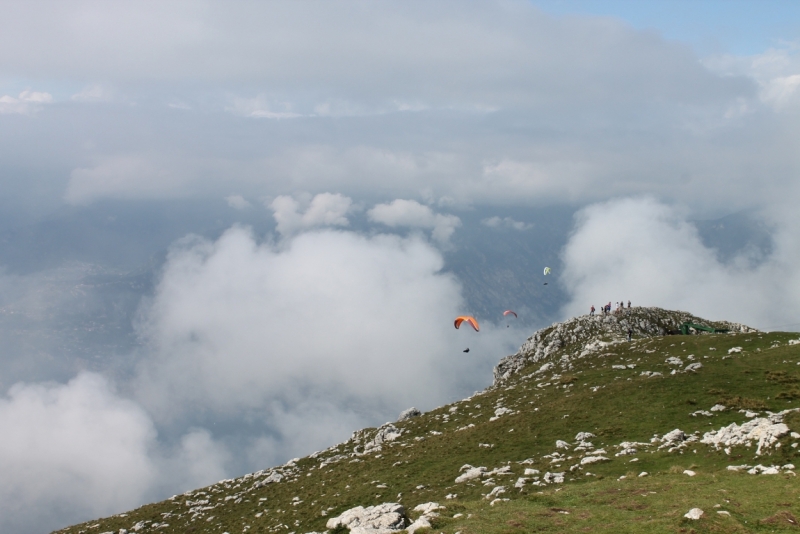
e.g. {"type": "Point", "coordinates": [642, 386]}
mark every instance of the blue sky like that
{"type": "Point", "coordinates": [742, 27]}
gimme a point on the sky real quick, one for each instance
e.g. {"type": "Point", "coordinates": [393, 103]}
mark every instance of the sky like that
{"type": "Point", "coordinates": [232, 234]}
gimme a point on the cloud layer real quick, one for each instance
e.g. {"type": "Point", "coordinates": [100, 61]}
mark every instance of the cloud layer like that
{"type": "Point", "coordinates": [485, 103]}
{"type": "Point", "coordinates": [237, 324]}
{"type": "Point", "coordinates": [412, 214]}
{"type": "Point", "coordinates": [643, 250]}
{"type": "Point", "coordinates": [67, 449]}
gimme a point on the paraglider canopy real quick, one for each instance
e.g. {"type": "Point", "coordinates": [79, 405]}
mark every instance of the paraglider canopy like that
{"type": "Point", "coordinates": [547, 271]}
{"type": "Point", "coordinates": [468, 319]}
{"type": "Point", "coordinates": [509, 312]}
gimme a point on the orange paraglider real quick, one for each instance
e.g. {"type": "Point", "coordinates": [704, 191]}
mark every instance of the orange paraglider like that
{"type": "Point", "coordinates": [509, 312]}
{"type": "Point", "coordinates": [468, 319]}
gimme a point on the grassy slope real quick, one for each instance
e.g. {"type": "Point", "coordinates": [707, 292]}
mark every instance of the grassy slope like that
{"type": "Point", "coordinates": [420, 466]}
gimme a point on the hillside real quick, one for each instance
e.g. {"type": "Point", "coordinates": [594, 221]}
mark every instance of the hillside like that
{"type": "Point", "coordinates": [581, 431]}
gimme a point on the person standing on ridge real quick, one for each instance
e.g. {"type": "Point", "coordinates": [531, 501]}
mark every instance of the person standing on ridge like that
{"type": "Point", "coordinates": [591, 311]}
{"type": "Point", "coordinates": [630, 333]}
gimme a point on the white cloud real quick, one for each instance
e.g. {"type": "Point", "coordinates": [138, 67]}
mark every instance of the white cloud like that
{"type": "Point", "coordinates": [27, 102]}
{"type": "Point", "coordinates": [94, 93]}
{"type": "Point", "coordinates": [412, 214]}
{"type": "Point", "coordinates": [238, 202]}
{"type": "Point", "coordinates": [260, 108]}
{"type": "Point", "coordinates": [645, 251]}
{"type": "Point", "coordinates": [78, 450]}
{"type": "Point", "coordinates": [505, 222]}
{"type": "Point", "coordinates": [777, 72]}
{"type": "Point", "coordinates": [782, 90]}
{"type": "Point", "coordinates": [319, 324]}
{"type": "Point", "coordinates": [325, 209]}
{"type": "Point", "coordinates": [616, 111]}
{"type": "Point", "coordinates": [66, 450]}
{"type": "Point", "coordinates": [197, 461]}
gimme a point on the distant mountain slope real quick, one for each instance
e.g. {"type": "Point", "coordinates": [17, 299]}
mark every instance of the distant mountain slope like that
{"type": "Point", "coordinates": [589, 433]}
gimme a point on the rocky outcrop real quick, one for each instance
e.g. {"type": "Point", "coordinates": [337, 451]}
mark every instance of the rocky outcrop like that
{"type": "Point", "coordinates": [405, 415]}
{"type": "Point", "coordinates": [384, 518]}
{"type": "Point", "coordinates": [580, 336]}
{"type": "Point", "coordinates": [764, 431]}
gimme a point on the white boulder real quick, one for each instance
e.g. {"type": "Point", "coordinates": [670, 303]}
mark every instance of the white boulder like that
{"type": "Point", "coordinates": [593, 460]}
{"type": "Point", "coordinates": [471, 473]}
{"type": "Point", "coordinates": [381, 519]}
{"type": "Point", "coordinates": [694, 513]}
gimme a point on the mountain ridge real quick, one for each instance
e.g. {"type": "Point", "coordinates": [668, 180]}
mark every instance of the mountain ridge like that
{"type": "Point", "coordinates": [557, 428]}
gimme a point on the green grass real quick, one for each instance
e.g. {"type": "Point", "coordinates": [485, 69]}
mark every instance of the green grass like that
{"type": "Point", "coordinates": [626, 407]}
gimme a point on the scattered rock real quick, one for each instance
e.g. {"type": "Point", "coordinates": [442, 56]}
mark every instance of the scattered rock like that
{"type": "Point", "coordinates": [693, 367]}
{"type": "Point", "coordinates": [651, 374]}
{"type": "Point", "coordinates": [429, 511]}
{"type": "Point", "coordinates": [718, 408]}
{"type": "Point", "coordinates": [593, 460]}
{"type": "Point", "coordinates": [689, 472]}
{"type": "Point", "coordinates": [497, 490]}
{"type": "Point", "coordinates": [734, 350]}
{"type": "Point", "coordinates": [694, 513]}
{"type": "Point", "coordinates": [471, 473]}
{"type": "Point", "coordinates": [554, 478]}
{"type": "Point", "coordinates": [761, 470]}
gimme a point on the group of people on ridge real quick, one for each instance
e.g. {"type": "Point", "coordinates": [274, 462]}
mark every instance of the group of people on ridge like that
{"type": "Point", "coordinates": [606, 309]}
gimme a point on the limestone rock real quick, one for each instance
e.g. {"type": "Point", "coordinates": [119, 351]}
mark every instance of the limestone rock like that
{"type": "Point", "coordinates": [582, 336]}
{"type": "Point", "coordinates": [405, 415]}
{"type": "Point", "coordinates": [593, 460]}
{"type": "Point", "coordinates": [554, 478]}
{"type": "Point", "coordinates": [381, 519]}
{"type": "Point", "coordinates": [471, 473]}
{"type": "Point", "coordinates": [385, 433]}
{"type": "Point", "coordinates": [429, 511]}
{"type": "Point", "coordinates": [765, 431]}
{"type": "Point", "coordinates": [694, 513]}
